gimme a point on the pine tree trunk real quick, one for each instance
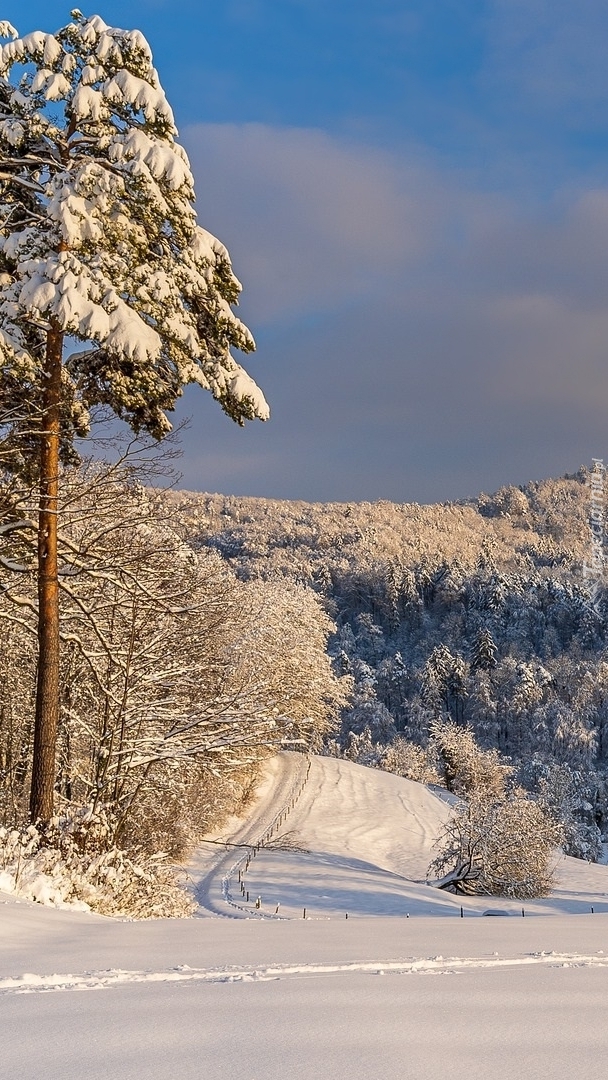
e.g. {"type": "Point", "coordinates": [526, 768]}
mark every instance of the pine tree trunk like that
{"type": "Point", "coordinates": [47, 687]}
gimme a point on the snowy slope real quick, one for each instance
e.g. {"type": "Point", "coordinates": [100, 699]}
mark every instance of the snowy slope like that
{"type": "Point", "coordinates": [357, 841]}
{"type": "Point", "coordinates": [266, 998]}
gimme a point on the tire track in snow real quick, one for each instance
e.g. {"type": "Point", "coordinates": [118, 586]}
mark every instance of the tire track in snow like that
{"type": "Point", "coordinates": [29, 983]}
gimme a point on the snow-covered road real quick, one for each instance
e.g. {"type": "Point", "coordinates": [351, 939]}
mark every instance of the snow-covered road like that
{"type": "Point", "coordinates": [214, 870]}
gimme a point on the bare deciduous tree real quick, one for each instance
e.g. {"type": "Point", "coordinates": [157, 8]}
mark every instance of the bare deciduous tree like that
{"type": "Point", "coordinates": [498, 847]}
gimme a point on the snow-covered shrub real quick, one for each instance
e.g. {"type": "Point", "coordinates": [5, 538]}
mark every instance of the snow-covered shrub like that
{"type": "Point", "coordinates": [183, 804]}
{"type": "Point", "coordinates": [405, 758]}
{"type": "Point", "coordinates": [53, 869]}
{"type": "Point", "coordinates": [464, 767]}
{"type": "Point", "coordinates": [498, 847]}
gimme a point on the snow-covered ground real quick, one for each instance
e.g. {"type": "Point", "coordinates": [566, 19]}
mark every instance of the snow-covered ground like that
{"type": "Point", "coordinates": [358, 841]}
{"type": "Point", "coordinates": [264, 996]}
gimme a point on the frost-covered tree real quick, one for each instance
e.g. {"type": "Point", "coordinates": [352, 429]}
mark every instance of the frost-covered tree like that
{"type": "Point", "coordinates": [568, 796]}
{"type": "Point", "coordinates": [443, 685]}
{"type": "Point", "coordinates": [176, 677]}
{"type": "Point", "coordinates": [366, 711]}
{"type": "Point", "coordinates": [464, 767]}
{"type": "Point", "coordinates": [498, 846]}
{"type": "Point", "coordinates": [483, 654]}
{"type": "Point", "coordinates": [482, 708]}
{"type": "Point", "coordinates": [99, 243]}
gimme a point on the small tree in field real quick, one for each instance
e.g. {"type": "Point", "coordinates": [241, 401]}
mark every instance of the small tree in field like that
{"type": "Point", "coordinates": [498, 847]}
{"type": "Point", "coordinates": [99, 243]}
{"type": "Point", "coordinates": [497, 842]}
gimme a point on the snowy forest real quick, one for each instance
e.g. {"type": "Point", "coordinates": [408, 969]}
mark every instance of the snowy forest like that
{"type": "Point", "coordinates": [474, 613]}
{"type": "Point", "coordinates": [202, 632]}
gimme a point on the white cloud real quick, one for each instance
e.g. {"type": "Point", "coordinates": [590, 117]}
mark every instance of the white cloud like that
{"type": "Point", "coordinates": [461, 331]}
{"type": "Point", "coordinates": [310, 220]}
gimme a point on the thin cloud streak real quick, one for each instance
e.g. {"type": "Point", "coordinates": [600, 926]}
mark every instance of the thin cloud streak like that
{"type": "Point", "coordinates": [550, 55]}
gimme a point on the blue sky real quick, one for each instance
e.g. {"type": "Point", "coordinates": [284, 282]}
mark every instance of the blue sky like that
{"type": "Point", "coordinates": [415, 197]}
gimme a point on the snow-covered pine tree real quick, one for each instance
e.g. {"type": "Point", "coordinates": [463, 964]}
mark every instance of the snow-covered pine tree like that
{"type": "Point", "coordinates": [484, 651]}
{"type": "Point", "coordinates": [98, 242]}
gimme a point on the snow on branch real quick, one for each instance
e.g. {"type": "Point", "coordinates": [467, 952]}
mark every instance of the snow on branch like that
{"type": "Point", "coordinates": [100, 237]}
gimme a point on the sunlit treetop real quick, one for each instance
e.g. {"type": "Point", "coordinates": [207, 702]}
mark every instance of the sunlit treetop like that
{"type": "Point", "coordinates": [99, 238]}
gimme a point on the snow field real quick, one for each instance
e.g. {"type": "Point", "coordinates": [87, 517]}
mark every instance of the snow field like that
{"type": "Point", "coordinates": [318, 999]}
{"type": "Point", "coordinates": [264, 997]}
{"type": "Point", "coordinates": [356, 842]}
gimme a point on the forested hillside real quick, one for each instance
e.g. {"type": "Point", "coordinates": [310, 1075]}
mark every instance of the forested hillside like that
{"type": "Point", "coordinates": [202, 632]}
{"type": "Point", "coordinates": [475, 612]}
